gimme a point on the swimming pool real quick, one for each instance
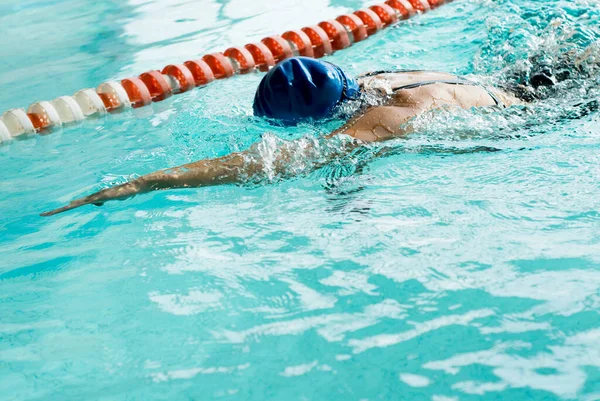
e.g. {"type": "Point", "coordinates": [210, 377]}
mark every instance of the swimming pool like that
{"type": "Point", "coordinates": [438, 273]}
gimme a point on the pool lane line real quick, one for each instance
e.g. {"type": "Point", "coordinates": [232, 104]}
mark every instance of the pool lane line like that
{"type": "Point", "coordinates": [314, 41]}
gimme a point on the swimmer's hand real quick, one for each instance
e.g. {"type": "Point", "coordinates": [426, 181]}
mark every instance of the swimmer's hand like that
{"type": "Point", "coordinates": [120, 192]}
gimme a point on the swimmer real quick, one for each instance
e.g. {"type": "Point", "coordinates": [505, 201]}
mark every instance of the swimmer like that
{"type": "Point", "coordinates": [301, 89]}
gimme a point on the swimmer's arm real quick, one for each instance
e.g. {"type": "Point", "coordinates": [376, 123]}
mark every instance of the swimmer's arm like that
{"type": "Point", "coordinates": [379, 124]}
{"type": "Point", "coordinates": [223, 170]}
{"type": "Point", "coordinates": [234, 168]}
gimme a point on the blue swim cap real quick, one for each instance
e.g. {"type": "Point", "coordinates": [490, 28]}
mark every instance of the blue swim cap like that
{"type": "Point", "coordinates": [301, 88]}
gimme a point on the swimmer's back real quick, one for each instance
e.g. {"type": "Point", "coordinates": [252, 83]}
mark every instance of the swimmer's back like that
{"type": "Point", "coordinates": [427, 90]}
{"type": "Point", "coordinates": [412, 93]}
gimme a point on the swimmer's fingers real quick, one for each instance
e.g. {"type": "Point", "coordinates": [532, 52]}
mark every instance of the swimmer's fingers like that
{"type": "Point", "coordinates": [95, 199]}
{"type": "Point", "coordinates": [73, 205]}
{"type": "Point", "coordinates": [120, 192]}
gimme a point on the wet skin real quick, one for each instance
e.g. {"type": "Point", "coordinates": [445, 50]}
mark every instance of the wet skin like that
{"type": "Point", "coordinates": [389, 121]}
{"type": "Point", "coordinates": [375, 124]}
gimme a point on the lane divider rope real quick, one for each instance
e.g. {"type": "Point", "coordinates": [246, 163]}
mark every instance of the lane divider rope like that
{"type": "Point", "coordinates": [154, 86]}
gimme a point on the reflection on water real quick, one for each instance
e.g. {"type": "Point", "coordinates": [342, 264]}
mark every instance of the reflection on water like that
{"type": "Point", "coordinates": [42, 61]}
{"type": "Point", "coordinates": [186, 29]}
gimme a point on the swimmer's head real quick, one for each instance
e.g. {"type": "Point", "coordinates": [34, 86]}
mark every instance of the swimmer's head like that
{"type": "Point", "coordinates": [300, 89]}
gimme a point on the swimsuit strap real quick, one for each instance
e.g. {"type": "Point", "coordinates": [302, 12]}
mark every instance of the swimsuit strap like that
{"type": "Point", "coordinates": [494, 97]}
{"type": "Point", "coordinates": [373, 73]}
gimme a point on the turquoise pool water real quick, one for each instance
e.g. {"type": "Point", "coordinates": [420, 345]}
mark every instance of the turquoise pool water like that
{"type": "Point", "coordinates": [436, 273]}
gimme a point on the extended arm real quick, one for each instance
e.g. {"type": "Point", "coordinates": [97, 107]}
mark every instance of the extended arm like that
{"type": "Point", "coordinates": [290, 158]}
{"type": "Point", "coordinates": [223, 170]}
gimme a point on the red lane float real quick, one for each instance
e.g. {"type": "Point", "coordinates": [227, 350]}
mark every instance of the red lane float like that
{"type": "Point", "coordinates": [405, 8]}
{"type": "Point", "coordinates": [355, 25]}
{"type": "Point", "coordinates": [182, 75]}
{"type": "Point", "coordinates": [262, 56]}
{"type": "Point", "coordinates": [435, 3]}
{"type": "Point", "coordinates": [243, 58]}
{"type": "Point", "coordinates": [138, 93]}
{"type": "Point", "coordinates": [336, 33]}
{"type": "Point", "coordinates": [319, 39]}
{"type": "Point", "coordinates": [220, 65]}
{"type": "Point", "coordinates": [420, 5]}
{"type": "Point", "coordinates": [302, 42]}
{"type": "Point", "coordinates": [371, 20]}
{"type": "Point", "coordinates": [279, 47]}
{"type": "Point", "coordinates": [43, 115]}
{"type": "Point", "coordinates": [39, 121]}
{"type": "Point", "coordinates": [312, 41]}
{"type": "Point", "coordinates": [201, 72]}
{"type": "Point", "coordinates": [113, 95]}
{"type": "Point", "coordinates": [386, 14]}
{"type": "Point", "coordinates": [157, 85]}
{"type": "Point", "coordinates": [110, 101]}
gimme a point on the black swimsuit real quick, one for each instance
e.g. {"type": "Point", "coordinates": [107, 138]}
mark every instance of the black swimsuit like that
{"type": "Point", "coordinates": [457, 81]}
